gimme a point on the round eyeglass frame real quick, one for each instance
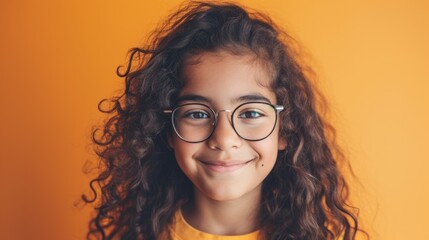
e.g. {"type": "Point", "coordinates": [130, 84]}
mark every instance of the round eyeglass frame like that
{"type": "Point", "coordinates": [276, 108]}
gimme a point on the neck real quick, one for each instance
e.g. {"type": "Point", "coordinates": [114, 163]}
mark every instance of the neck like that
{"type": "Point", "coordinates": [230, 217]}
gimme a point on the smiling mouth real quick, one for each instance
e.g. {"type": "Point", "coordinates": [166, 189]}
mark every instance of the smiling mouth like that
{"type": "Point", "coordinates": [225, 167]}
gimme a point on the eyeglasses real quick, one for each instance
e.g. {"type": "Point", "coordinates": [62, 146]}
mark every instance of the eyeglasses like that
{"type": "Point", "coordinates": [252, 121]}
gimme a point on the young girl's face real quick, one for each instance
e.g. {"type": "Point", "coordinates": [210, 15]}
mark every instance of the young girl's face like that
{"type": "Point", "coordinates": [225, 166]}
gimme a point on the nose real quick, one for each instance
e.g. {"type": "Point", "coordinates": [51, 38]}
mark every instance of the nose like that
{"type": "Point", "coordinates": [224, 136]}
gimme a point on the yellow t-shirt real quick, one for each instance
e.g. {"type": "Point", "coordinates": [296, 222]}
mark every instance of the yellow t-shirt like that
{"type": "Point", "coordinates": [181, 230]}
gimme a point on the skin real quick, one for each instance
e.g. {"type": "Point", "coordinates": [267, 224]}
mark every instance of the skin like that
{"type": "Point", "coordinates": [227, 171]}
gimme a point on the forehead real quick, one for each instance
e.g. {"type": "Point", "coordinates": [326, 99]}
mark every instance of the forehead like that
{"type": "Point", "coordinates": [223, 77]}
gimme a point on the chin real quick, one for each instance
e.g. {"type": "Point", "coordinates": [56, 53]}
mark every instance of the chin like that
{"type": "Point", "coordinates": [231, 194]}
{"type": "Point", "coordinates": [225, 196]}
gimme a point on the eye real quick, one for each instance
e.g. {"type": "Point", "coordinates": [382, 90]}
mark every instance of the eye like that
{"type": "Point", "coordinates": [250, 114]}
{"type": "Point", "coordinates": [197, 115]}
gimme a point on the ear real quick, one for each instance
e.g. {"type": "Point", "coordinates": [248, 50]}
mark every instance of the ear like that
{"type": "Point", "coordinates": [282, 143]}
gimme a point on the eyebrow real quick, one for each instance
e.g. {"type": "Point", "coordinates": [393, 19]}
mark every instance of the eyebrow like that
{"type": "Point", "coordinates": [193, 98]}
{"type": "Point", "coordinates": [253, 97]}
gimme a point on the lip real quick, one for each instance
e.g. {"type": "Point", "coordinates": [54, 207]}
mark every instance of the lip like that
{"type": "Point", "coordinates": [224, 166]}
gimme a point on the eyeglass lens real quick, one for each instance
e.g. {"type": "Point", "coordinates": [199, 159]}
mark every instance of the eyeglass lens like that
{"type": "Point", "coordinates": [251, 121]}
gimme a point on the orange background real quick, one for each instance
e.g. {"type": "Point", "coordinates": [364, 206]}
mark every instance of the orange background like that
{"type": "Point", "coordinates": [58, 59]}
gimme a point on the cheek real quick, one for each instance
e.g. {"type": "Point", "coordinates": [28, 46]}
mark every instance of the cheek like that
{"type": "Point", "coordinates": [184, 153]}
{"type": "Point", "coordinates": [267, 149]}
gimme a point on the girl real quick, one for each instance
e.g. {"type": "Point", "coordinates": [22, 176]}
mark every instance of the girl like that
{"type": "Point", "coordinates": [216, 136]}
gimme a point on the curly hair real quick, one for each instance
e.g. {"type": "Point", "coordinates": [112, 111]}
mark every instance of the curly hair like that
{"type": "Point", "coordinates": [139, 186]}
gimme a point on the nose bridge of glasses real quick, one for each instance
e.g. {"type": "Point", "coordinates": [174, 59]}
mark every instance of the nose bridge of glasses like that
{"type": "Point", "coordinates": [223, 131]}
{"type": "Point", "coordinates": [225, 111]}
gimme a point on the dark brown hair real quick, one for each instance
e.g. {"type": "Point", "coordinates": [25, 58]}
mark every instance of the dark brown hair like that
{"type": "Point", "coordinates": [140, 186]}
